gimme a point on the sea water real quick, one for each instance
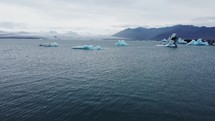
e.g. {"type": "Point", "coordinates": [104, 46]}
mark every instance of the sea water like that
{"type": "Point", "coordinates": [139, 82]}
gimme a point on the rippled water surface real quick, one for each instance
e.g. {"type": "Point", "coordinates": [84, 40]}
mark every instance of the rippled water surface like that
{"type": "Point", "coordinates": [140, 82]}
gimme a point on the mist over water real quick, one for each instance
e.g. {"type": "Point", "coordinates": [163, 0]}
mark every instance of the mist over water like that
{"type": "Point", "coordinates": [139, 82]}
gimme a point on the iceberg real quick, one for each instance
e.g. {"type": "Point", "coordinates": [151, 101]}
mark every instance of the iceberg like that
{"type": "Point", "coordinates": [88, 47]}
{"type": "Point", "coordinates": [181, 41]}
{"type": "Point", "coordinates": [199, 42]}
{"type": "Point", "coordinates": [165, 40]}
{"type": "Point", "coordinates": [170, 44]}
{"type": "Point", "coordinates": [193, 42]}
{"type": "Point", "coordinates": [54, 44]}
{"type": "Point", "coordinates": [121, 43]}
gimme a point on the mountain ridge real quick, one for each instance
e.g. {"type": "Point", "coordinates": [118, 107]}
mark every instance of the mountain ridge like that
{"type": "Point", "coordinates": [183, 31]}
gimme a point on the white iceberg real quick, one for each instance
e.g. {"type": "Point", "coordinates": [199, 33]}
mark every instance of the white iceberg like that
{"type": "Point", "coordinates": [169, 44]}
{"type": "Point", "coordinates": [199, 42]}
{"type": "Point", "coordinates": [121, 43]}
{"type": "Point", "coordinates": [165, 40]}
{"type": "Point", "coordinates": [88, 47]}
{"type": "Point", "coordinates": [181, 41]}
{"type": "Point", "coordinates": [54, 44]}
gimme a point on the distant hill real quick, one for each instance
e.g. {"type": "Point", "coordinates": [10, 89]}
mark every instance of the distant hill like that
{"type": "Point", "coordinates": [37, 35]}
{"type": "Point", "coordinates": [183, 31]}
{"type": "Point", "coordinates": [18, 35]}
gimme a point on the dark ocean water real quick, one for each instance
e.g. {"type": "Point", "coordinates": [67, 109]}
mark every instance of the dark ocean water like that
{"type": "Point", "coordinates": [140, 82]}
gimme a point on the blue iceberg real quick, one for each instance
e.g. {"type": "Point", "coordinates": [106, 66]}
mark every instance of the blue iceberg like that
{"type": "Point", "coordinates": [121, 43]}
{"type": "Point", "coordinates": [88, 47]}
{"type": "Point", "coordinates": [181, 41]}
{"type": "Point", "coordinates": [199, 42]}
{"type": "Point", "coordinates": [54, 44]}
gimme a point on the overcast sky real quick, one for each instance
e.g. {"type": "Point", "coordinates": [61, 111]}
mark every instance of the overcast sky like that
{"type": "Point", "coordinates": [102, 16]}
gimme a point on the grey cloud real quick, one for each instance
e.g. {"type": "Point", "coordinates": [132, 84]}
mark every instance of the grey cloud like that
{"type": "Point", "coordinates": [202, 4]}
{"type": "Point", "coordinates": [204, 21]}
{"type": "Point", "coordinates": [211, 18]}
{"type": "Point", "coordinates": [11, 25]}
{"type": "Point", "coordinates": [123, 26]}
{"type": "Point", "coordinates": [98, 8]}
{"type": "Point", "coordinates": [119, 13]}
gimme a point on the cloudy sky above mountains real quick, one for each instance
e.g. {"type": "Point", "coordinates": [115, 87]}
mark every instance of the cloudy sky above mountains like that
{"type": "Point", "coordinates": [102, 16]}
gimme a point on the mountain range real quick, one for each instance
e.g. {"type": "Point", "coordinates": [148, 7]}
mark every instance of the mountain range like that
{"type": "Point", "coordinates": [36, 35]}
{"type": "Point", "coordinates": [182, 31]}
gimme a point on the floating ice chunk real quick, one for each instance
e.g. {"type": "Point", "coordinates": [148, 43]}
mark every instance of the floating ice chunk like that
{"type": "Point", "coordinates": [54, 44]}
{"type": "Point", "coordinates": [181, 41]}
{"type": "Point", "coordinates": [192, 42]}
{"type": "Point", "coordinates": [121, 43]}
{"type": "Point", "coordinates": [88, 47]}
{"type": "Point", "coordinates": [165, 40]}
{"type": "Point", "coordinates": [170, 44]}
{"type": "Point", "coordinates": [206, 43]}
{"type": "Point", "coordinates": [199, 42]}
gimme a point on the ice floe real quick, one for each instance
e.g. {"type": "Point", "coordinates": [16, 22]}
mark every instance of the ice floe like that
{"type": "Point", "coordinates": [88, 47]}
{"type": "Point", "coordinates": [54, 44]}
